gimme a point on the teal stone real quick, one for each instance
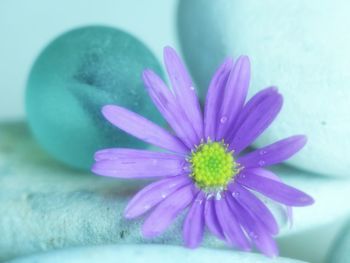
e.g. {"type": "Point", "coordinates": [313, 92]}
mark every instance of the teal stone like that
{"type": "Point", "coordinates": [293, 45]}
{"type": "Point", "coordinates": [73, 77]}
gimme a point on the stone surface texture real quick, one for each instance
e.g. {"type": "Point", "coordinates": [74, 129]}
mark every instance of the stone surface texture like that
{"type": "Point", "coordinates": [45, 206]}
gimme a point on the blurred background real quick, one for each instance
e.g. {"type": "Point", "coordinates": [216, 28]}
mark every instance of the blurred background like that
{"type": "Point", "coordinates": [28, 27]}
{"type": "Point", "coordinates": [53, 81]}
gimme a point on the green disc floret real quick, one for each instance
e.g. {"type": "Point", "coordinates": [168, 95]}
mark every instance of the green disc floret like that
{"type": "Point", "coordinates": [212, 165]}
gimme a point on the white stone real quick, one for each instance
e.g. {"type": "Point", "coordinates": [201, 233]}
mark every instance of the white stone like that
{"type": "Point", "coordinates": [302, 47]}
{"type": "Point", "coordinates": [341, 247]}
{"type": "Point", "coordinates": [45, 206]}
{"type": "Point", "coordinates": [148, 253]}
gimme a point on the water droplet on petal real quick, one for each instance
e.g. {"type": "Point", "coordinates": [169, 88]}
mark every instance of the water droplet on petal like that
{"type": "Point", "coordinates": [163, 195]}
{"type": "Point", "coordinates": [199, 201]}
{"type": "Point", "coordinates": [192, 88]}
{"type": "Point", "coordinates": [186, 168]}
{"type": "Point", "coordinates": [253, 235]}
{"type": "Point", "coordinates": [262, 163]}
{"type": "Point", "coordinates": [223, 119]}
{"type": "Point", "coordinates": [262, 152]}
{"type": "Point", "coordinates": [209, 196]}
{"type": "Point", "coordinates": [235, 194]}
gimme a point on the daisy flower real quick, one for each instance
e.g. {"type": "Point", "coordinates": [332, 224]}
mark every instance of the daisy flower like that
{"type": "Point", "coordinates": [204, 169]}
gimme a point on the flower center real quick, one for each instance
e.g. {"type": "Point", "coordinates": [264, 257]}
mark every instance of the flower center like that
{"type": "Point", "coordinates": [212, 166]}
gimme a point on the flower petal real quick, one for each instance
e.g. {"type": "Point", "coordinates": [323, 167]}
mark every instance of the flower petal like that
{"type": "Point", "coordinates": [153, 194]}
{"type": "Point", "coordinates": [165, 213]}
{"type": "Point", "coordinates": [142, 128]}
{"type": "Point", "coordinates": [139, 167]}
{"type": "Point", "coordinates": [234, 96]}
{"type": "Point", "coordinates": [277, 191]}
{"type": "Point", "coordinates": [273, 153]}
{"type": "Point", "coordinates": [255, 117]}
{"type": "Point", "coordinates": [214, 98]}
{"type": "Point", "coordinates": [252, 103]}
{"type": "Point", "coordinates": [194, 223]}
{"type": "Point", "coordinates": [229, 224]}
{"type": "Point", "coordinates": [184, 89]}
{"type": "Point", "coordinates": [125, 153]}
{"type": "Point", "coordinates": [253, 204]}
{"type": "Point", "coordinates": [268, 174]}
{"type": "Point", "coordinates": [261, 238]}
{"type": "Point", "coordinates": [168, 106]}
{"type": "Point", "coordinates": [211, 219]}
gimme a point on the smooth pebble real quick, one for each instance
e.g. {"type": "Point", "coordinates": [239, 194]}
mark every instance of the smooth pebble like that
{"type": "Point", "coordinates": [302, 47]}
{"type": "Point", "coordinates": [73, 78]}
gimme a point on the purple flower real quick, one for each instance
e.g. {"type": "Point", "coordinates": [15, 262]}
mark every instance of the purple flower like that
{"type": "Point", "coordinates": [204, 168]}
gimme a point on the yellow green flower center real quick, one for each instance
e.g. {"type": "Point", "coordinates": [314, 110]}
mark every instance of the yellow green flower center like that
{"type": "Point", "coordinates": [212, 166]}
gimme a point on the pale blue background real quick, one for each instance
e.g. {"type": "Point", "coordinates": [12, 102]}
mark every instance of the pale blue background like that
{"type": "Point", "coordinates": [27, 26]}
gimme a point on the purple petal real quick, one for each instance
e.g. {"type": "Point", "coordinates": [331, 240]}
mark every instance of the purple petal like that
{"type": "Point", "coordinates": [277, 191]}
{"type": "Point", "coordinates": [268, 174]}
{"type": "Point", "coordinates": [214, 98]}
{"type": "Point", "coordinates": [165, 213]}
{"type": "Point", "coordinates": [125, 153]}
{"type": "Point", "coordinates": [153, 194]}
{"type": "Point", "coordinates": [261, 238]}
{"type": "Point", "coordinates": [253, 204]}
{"type": "Point", "coordinates": [168, 106]}
{"type": "Point", "coordinates": [228, 222]}
{"type": "Point", "coordinates": [255, 117]}
{"type": "Point", "coordinates": [134, 167]}
{"type": "Point", "coordinates": [253, 102]}
{"type": "Point", "coordinates": [265, 173]}
{"type": "Point", "coordinates": [211, 219]}
{"type": "Point", "coordinates": [142, 128]}
{"type": "Point", "coordinates": [194, 223]}
{"type": "Point", "coordinates": [184, 89]}
{"type": "Point", "coordinates": [234, 97]}
{"type": "Point", "coordinates": [273, 153]}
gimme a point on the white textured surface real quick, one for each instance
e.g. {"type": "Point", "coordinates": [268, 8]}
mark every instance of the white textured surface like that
{"type": "Point", "coordinates": [294, 45]}
{"type": "Point", "coordinates": [148, 253]}
{"type": "Point", "coordinates": [45, 206]}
